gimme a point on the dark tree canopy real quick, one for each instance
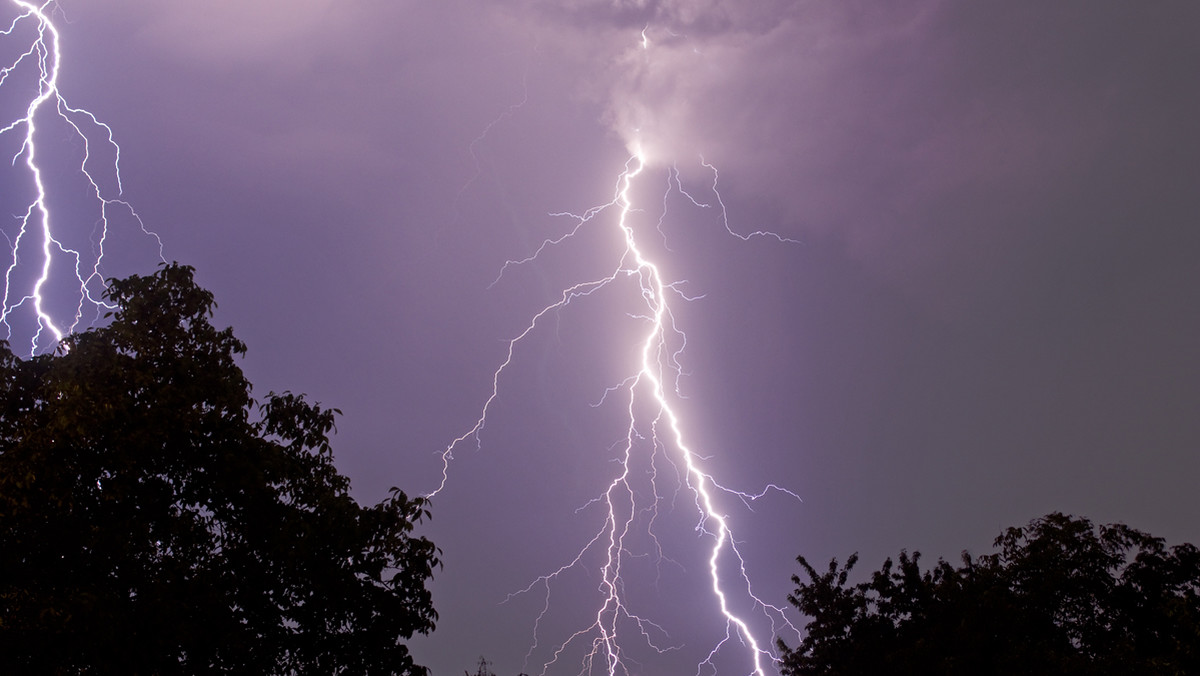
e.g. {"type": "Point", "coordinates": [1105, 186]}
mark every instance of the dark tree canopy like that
{"type": "Point", "coordinates": [1059, 597]}
{"type": "Point", "coordinates": [155, 519]}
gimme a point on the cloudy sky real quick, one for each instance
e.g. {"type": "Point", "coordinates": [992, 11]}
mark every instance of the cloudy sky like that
{"type": "Point", "coordinates": [981, 305]}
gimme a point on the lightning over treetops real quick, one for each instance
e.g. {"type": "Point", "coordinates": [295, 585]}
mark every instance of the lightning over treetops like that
{"type": "Point", "coordinates": [69, 203]}
{"type": "Point", "coordinates": [619, 281]}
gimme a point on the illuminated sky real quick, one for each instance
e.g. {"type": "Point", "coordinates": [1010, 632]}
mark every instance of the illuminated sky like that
{"type": "Point", "coordinates": [991, 314]}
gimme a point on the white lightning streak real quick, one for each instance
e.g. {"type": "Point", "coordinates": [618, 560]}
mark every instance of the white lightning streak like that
{"type": "Point", "coordinates": [659, 352]}
{"type": "Point", "coordinates": [43, 59]}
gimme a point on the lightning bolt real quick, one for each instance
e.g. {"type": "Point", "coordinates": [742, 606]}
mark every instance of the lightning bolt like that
{"type": "Point", "coordinates": [652, 454]}
{"type": "Point", "coordinates": [43, 265]}
{"type": "Point", "coordinates": [653, 446]}
{"type": "Point", "coordinates": [653, 439]}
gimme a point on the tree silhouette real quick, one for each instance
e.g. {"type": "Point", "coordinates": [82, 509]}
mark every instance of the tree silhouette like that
{"type": "Point", "coordinates": [483, 669]}
{"type": "Point", "coordinates": [1059, 597]}
{"type": "Point", "coordinates": [155, 519]}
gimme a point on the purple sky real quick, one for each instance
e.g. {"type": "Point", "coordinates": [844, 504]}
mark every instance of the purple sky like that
{"type": "Point", "coordinates": [991, 313]}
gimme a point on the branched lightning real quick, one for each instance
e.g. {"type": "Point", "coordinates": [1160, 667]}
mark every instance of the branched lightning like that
{"type": "Point", "coordinates": [654, 438]}
{"type": "Point", "coordinates": [40, 252]}
{"type": "Point", "coordinates": [653, 441]}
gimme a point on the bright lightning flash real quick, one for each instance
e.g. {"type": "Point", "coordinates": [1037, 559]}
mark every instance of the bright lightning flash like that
{"type": "Point", "coordinates": [654, 424]}
{"type": "Point", "coordinates": [41, 257]}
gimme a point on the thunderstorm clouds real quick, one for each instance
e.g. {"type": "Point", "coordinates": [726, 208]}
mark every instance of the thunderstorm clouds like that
{"type": "Point", "coordinates": [977, 303]}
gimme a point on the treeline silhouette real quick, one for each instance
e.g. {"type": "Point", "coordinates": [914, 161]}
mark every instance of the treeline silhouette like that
{"type": "Point", "coordinates": [155, 518]}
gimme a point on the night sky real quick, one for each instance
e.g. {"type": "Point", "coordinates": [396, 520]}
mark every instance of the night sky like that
{"type": "Point", "coordinates": [988, 312]}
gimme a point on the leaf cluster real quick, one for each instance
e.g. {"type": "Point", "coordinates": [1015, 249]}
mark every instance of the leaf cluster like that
{"type": "Point", "coordinates": [1060, 596]}
{"type": "Point", "coordinates": [155, 518]}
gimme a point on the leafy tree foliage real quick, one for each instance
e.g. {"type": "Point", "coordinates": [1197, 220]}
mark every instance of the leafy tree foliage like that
{"type": "Point", "coordinates": [154, 519]}
{"type": "Point", "coordinates": [1059, 597]}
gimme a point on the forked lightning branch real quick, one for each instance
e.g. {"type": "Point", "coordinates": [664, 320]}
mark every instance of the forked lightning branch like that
{"type": "Point", "coordinates": [653, 427]}
{"type": "Point", "coordinates": [54, 277]}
